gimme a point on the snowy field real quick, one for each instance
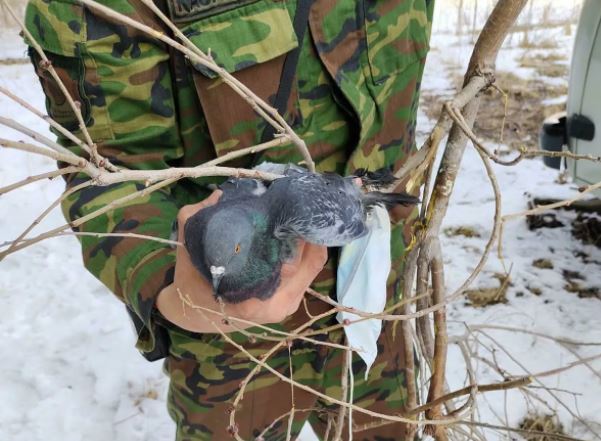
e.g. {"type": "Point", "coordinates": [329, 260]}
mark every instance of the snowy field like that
{"type": "Point", "coordinates": [69, 371]}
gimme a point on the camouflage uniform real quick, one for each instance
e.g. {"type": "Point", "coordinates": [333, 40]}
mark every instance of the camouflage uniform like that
{"type": "Point", "coordinates": [354, 102]}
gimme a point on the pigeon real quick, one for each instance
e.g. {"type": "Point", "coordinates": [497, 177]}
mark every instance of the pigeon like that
{"type": "Point", "coordinates": [240, 243]}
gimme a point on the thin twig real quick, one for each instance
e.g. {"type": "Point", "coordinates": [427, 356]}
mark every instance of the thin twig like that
{"type": "Point", "coordinates": [45, 213]}
{"type": "Point", "coordinates": [75, 107]}
{"type": "Point", "coordinates": [11, 123]}
{"type": "Point", "coordinates": [286, 336]}
{"type": "Point", "coordinates": [176, 173]}
{"type": "Point", "coordinates": [344, 391]}
{"type": "Point", "coordinates": [551, 393]}
{"type": "Point", "coordinates": [48, 175]}
{"type": "Point", "coordinates": [534, 433]}
{"type": "Point", "coordinates": [565, 203]}
{"type": "Point", "coordinates": [80, 221]}
{"type": "Point", "coordinates": [562, 340]}
{"type": "Point", "coordinates": [261, 435]}
{"type": "Point", "coordinates": [315, 392]}
{"type": "Point", "coordinates": [74, 139]}
{"type": "Point", "coordinates": [52, 154]}
{"type": "Point", "coordinates": [474, 388]}
{"type": "Point", "coordinates": [293, 405]}
{"type": "Point", "coordinates": [437, 380]}
{"type": "Point", "coordinates": [569, 366]}
{"type": "Point", "coordinates": [124, 235]}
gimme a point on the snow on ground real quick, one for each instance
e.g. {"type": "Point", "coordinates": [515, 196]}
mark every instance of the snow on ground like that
{"type": "Point", "coordinates": [554, 311]}
{"type": "Point", "coordinates": [69, 371]}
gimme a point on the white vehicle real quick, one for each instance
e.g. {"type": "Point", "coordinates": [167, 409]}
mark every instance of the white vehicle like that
{"type": "Point", "coordinates": [578, 128]}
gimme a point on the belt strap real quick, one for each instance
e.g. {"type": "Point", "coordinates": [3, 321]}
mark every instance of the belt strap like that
{"type": "Point", "coordinates": [301, 18]}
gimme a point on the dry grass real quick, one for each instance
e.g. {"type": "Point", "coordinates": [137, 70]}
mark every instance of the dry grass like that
{"type": "Point", "coordinates": [583, 292]}
{"type": "Point", "coordinates": [543, 220]}
{"type": "Point", "coordinates": [542, 264]}
{"type": "Point", "coordinates": [11, 61]}
{"type": "Point", "coordinates": [481, 297]}
{"type": "Point", "coordinates": [587, 228]}
{"type": "Point", "coordinates": [575, 284]}
{"type": "Point", "coordinates": [461, 231]}
{"type": "Point", "coordinates": [526, 110]}
{"type": "Point", "coordinates": [551, 64]}
{"type": "Point", "coordinates": [542, 423]}
{"type": "Point", "coordinates": [532, 60]}
{"type": "Point", "coordinates": [543, 43]}
{"type": "Point", "coordinates": [150, 394]}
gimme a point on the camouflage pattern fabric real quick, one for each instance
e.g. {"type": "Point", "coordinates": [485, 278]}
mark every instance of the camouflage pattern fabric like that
{"type": "Point", "coordinates": [354, 102]}
{"type": "Point", "coordinates": [206, 373]}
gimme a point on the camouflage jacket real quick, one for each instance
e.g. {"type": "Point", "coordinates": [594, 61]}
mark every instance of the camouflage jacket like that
{"type": "Point", "coordinates": [354, 102]}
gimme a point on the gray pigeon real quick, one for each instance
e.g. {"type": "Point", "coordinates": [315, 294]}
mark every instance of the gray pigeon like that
{"type": "Point", "coordinates": [240, 243]}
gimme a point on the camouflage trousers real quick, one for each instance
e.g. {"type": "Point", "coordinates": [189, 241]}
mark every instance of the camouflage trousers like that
{"type": "Point", "coordinates": [206, 373]}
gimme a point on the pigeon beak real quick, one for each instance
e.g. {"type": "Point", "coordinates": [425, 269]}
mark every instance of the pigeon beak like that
{"type": "Point", "coordinates": [216, 281]}
{"type": "Point", "coordinates": [217, 273]}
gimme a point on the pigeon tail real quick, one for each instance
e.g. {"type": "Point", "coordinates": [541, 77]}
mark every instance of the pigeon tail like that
{"type": "Point", "coordinates": [378, 179]}
{"type": "Point", "coordinates": [388, 200]}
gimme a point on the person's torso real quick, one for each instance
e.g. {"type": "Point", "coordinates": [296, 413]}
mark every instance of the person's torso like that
{"type": "Point", "coordinates": [353, 100]}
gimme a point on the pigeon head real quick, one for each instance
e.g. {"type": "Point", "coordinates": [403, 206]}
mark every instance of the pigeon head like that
{"type": "Point", "coordinates": [233, 249]}
{"type": "Point", "coordinates": [227, 242]}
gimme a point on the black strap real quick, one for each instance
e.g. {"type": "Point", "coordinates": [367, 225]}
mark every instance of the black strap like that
{"type": "Point", "coordinates": [301, 18]}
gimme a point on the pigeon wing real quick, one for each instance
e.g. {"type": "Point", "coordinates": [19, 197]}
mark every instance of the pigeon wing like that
{"type": "Point", "coordinates": [280, 169]}
{"type": "Point", "coordinates": [321, 209]}
{"type": "Point", "coordinates": [235, 188]}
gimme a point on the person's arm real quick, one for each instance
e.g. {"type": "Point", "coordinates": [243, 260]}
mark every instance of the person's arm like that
{"type": "Point", "coordinates": [123, 84]}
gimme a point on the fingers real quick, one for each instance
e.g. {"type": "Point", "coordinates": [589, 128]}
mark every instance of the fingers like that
{"type": "Point", "coordinates": [211, 200]}
{"type": "Point", "coordinates": [316, 256]}
{"type": "Point", "coordinates": [313, 260]}
{"type": "Point", "coordinates": [188, 211]}
{"type": "Point", "coordinates": [290, 267]}
{"type": "Point", "coordinates": [297, 276]}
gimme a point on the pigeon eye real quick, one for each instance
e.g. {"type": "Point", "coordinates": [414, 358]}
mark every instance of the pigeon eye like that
{"type": "Point", "coordinates": [237, 249]}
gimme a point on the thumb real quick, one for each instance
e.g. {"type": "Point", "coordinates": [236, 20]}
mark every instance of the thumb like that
{"type": "Point", "coordinates": [192, 209]}
{"type": "Point", "coordinates": [187, 211]}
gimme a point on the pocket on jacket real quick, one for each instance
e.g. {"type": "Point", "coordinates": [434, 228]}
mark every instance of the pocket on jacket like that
{"type": "Point", "coordinates": [251, 43]}
{"type": "Point", "coordinates": [397, 34]}
{"type": "Point", "coordinates": [59, 32]}
{"type": "Point", "coordinates": [119, 74]}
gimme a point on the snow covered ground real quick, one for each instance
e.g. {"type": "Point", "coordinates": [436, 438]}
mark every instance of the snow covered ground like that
{"type": "Point", "coordinates": [69, 371]}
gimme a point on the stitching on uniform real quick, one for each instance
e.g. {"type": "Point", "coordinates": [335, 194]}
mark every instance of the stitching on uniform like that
{"type": "Point", "coordinates": [109, 124]}
{"type": "Point", "coordinates": [88, 54]}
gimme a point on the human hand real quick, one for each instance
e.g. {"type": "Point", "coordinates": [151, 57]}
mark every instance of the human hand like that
{"type": "Point", "coordinates": [296, 277]}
